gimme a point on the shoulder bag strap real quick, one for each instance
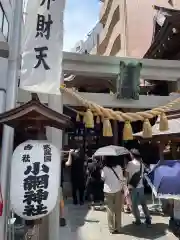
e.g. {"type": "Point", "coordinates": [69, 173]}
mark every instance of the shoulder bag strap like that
{"type": "Point", "coordinates": [140, 168]}
{"type": "Point", "coordinates": [115, 173]}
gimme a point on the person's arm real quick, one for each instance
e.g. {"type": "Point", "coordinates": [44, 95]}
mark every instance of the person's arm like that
{"type": "Point", "coordinates": [69, 161]}
{"type": "Point", "coordinates": [103, 174]}
{"type": "Point", "coordinates": [87, 169]}
{"type": "Point", "coordinates": [121, 176]}
{"type": "Point", "coordinates": [126, 173]}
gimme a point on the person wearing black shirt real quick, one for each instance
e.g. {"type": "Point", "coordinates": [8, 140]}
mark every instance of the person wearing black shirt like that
{"type": "Point", "coordinates": [62, 214]}
{"type": "Point", "coordinates": [76, 161]}
{"type": "Point", "coordinates": [94, 182]}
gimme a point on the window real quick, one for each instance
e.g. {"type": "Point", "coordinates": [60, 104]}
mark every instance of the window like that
{"type": "Point", "coordinates": [4, 24]}
{"type": "Point", "coordinates": [116, 46]}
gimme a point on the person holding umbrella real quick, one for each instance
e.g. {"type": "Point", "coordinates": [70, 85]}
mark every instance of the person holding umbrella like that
{"type": "Point", "coordinates": [134, 172]}
{"type": "Point", "coordinates": [112, 175]}
{"type": "Point", "coordinates": [114, 184]}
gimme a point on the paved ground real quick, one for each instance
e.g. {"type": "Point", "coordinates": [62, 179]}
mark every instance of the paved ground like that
{"type": "Point", "coordinates": [84, 224]}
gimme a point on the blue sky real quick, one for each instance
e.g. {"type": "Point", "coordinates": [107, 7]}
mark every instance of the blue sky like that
{"type": "Point", "coordinates": [80, 17]}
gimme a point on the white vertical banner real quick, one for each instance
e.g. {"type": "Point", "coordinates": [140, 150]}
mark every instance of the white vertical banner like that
{"type": "Point", "coordinates": [42, 46]}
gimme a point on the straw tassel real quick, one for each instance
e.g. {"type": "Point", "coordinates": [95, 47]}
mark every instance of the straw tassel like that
{"type": "Point", "coordinates": [98, 120]}
{"type": "Point", "coordinates": [89, 119]}
{"type": "Point", "coordinates": [127, 131]}
{"type": "Point", "coordinates": [163, 125]}
{"type": "Point", "coordinates": [147, 129]}
{"type": "Point", "coordinates": [78, 119]}
{"type": "Point", "coordinates": [107, 129]}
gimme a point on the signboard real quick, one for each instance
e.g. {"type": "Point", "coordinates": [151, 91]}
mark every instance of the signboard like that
{"type": "Point", "coordinates": [35, 179]}
{"type": "Point", "coordinates": [42, 46]}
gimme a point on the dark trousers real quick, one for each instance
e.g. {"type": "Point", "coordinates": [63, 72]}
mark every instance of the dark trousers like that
{"type": "Point", "coordinates": [138, 197]}
{"type": "Point", "coordinates": [96, 191]}
{"type": "Point", "coordinates": [174, 227]}
{"type": "Point", "coordinates": [78, 192]}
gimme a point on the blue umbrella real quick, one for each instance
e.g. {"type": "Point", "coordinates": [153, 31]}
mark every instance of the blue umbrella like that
{"type": "Point", "coordinates": [164, 179]}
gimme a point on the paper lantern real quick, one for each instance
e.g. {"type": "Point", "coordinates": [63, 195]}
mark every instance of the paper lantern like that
{"type": "Point", "coordinates": [35, 178]}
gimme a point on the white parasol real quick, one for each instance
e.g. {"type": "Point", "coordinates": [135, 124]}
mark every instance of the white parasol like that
{"type": "Point", "coordinates": [111, 150]}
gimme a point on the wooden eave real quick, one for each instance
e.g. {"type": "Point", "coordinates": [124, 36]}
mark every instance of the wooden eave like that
{"type": "Point", "coordinates": [165, 37]}
{"type": "Point", "coordinates": [34, 113]}
{"type": "Point", "coordinates": [168, 10]}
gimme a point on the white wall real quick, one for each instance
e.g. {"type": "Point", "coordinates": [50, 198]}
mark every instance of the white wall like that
{"type": "Point", "coordinates": [90, 42]}
{"type": "Point", "coordinates": [92, 37]}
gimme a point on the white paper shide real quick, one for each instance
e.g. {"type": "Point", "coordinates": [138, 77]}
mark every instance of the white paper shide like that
{"type": "Point", "coordinates": [34, 179]}
{"type": "Point", "coordinates": [42, 45]}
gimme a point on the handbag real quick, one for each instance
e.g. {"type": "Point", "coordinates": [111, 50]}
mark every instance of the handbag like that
{"type": "Point", "coordinates": [135, 179]}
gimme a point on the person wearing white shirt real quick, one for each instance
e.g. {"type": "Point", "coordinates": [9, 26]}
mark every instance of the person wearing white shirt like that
{"type": "Point", "coordinates": [137, 193]}
{"type": "Point", "coordinates": [112, 175]}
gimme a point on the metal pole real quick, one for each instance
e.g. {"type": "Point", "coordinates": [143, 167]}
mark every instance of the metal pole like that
{"type": "Point", "coordinates": [8, 133]}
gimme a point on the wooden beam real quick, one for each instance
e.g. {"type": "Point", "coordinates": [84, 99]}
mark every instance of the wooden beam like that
{"type": "Point", "coordinates": [108, 66]}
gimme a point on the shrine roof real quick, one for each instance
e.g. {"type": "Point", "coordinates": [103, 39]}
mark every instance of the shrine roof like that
{"type": "Point", "coordinates": [166, 38]}
{"type": "Point", "coordinates": [34, 113]}
{"type": "Point", "coordinates": [174, 127]}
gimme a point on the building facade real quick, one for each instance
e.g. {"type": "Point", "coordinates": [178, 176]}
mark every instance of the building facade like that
{"type": "Point", "coordinates": [128, 26]}
{"type": "Point", "coordinates": [6, 14]}
{"type": "Point", "coordinates": [91, 41]}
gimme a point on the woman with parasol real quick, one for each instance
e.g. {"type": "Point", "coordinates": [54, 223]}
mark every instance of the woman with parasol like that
{"type": "Point", "coordinates": [112, 174]}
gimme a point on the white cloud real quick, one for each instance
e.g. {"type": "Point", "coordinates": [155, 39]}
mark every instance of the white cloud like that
{"type": "Point", "coordinates": [80, 17]}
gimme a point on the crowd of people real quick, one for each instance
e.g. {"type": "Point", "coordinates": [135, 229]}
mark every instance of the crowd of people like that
{"type": "Point", "coordinates": [115, 180]}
